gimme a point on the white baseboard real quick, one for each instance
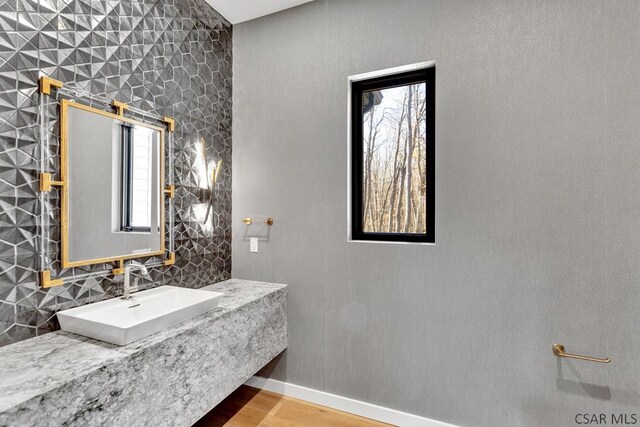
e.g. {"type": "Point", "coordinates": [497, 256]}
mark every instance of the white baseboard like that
{"type": "Point", "coordinates": [345, 404]}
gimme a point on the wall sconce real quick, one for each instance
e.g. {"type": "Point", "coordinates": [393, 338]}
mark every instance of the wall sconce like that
{"type": "Point", "coordinates": [211, 182]}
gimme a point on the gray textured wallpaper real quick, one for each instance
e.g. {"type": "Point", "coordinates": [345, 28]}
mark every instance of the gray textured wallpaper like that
{"type": "Point", "coordinates": [537, 206]}
{"type": "Point", "coordinates": [168, 57]}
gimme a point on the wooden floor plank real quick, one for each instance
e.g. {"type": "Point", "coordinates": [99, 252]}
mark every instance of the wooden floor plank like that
{"type": "Point", "coordinates": [250, 407]}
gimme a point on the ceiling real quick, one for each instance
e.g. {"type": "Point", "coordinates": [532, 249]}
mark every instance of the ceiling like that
{"type": "Point", "coordinates": [236, 11]}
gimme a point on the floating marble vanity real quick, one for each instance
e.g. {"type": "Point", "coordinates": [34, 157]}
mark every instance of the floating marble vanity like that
{"type": "Point", "coordinates": [171, 378]}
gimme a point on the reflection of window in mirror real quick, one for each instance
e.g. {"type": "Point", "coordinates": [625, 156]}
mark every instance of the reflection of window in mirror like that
{"type": "Point", "coordinates": [137, 178]}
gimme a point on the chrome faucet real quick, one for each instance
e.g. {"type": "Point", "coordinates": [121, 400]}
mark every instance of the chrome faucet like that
{"type": "Point", "coordinates": [128, 287]}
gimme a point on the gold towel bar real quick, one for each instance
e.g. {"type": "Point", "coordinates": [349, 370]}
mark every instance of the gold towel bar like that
{"type": "Point", "coordinates": [249, 221]}
{"type": "Point", "coordinates": [558, 350]}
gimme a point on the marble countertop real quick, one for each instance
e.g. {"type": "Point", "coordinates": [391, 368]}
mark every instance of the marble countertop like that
{"type": "Point", "coordinates": [33, 367]}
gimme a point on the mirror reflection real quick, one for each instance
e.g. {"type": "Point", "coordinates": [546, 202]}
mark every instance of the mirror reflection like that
{"type": "Point", "coordinates": [112, 202]}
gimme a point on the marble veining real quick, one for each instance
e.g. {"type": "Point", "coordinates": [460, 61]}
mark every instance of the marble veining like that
{"type": "Point", "coordinates": [169, 378]}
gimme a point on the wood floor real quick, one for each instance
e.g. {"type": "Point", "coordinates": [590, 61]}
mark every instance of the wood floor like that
{"type": "Point", "coordinates": [248, 407]}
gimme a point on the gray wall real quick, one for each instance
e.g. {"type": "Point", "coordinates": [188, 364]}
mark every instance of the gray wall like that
{"type": "Point", "coordinates": [538, 194]}
{"type": "Point", "coordinates": [168, 57]}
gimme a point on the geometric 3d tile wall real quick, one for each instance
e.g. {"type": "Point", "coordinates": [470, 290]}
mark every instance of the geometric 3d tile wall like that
{"type": "Point", "coordinates": [169, 57]}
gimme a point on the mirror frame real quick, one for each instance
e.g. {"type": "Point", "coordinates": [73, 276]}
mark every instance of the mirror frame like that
{"type": "Point", "coordinates": [65, 104]}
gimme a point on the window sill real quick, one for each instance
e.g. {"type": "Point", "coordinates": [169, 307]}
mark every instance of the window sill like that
{"type": "Point", "coordinates": [389, 242]}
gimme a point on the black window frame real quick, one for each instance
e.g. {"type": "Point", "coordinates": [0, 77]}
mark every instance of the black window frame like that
{"type": "Point", "coordinates": [127, 181]}
{"type": "Point", "coordinates": [424, 75]}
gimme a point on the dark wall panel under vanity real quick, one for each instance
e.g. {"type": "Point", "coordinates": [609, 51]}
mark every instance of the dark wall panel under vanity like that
{"type": "Point", "coordinates": [168, 57]}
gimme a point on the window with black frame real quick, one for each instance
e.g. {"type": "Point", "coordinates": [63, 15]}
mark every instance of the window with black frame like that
{"type": "Point", "coordinates": [137, 178]}
{"type": "Point", "coordinates": [393, 157]}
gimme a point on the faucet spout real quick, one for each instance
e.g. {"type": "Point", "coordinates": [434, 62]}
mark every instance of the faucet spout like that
{"type": "Point", "coordinates": [128, 287]}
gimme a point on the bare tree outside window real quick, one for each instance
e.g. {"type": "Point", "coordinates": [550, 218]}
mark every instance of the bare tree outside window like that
{"type": "Point", "coordinates": [394, 146]}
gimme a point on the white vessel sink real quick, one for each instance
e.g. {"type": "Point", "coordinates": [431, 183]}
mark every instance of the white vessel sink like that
{"type": "Point", "coordinates": [121, 322]}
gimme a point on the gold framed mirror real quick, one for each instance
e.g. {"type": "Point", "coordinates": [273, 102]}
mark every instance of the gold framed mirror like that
{"type": "Point", "coordinates": [112, 189]}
